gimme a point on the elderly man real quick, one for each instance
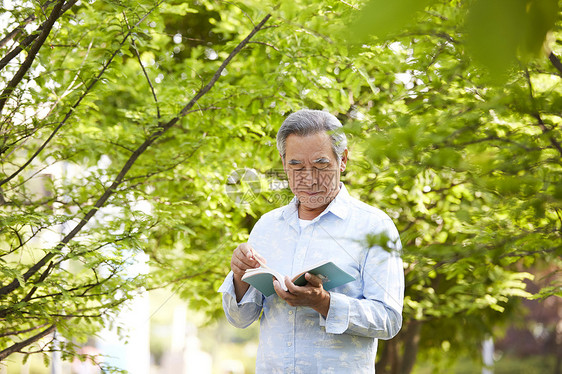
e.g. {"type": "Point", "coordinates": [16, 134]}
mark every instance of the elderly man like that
{"type": "Point", "coordinates": [307, 329]}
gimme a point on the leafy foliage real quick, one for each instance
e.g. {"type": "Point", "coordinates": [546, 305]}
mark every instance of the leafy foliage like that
{"type": "Point", "coordinates": [117, 143]}
{"type": "Point", "coordinates": [468, 169]}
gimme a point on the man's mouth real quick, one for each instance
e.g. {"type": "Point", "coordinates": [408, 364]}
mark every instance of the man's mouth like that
{"type": "Point", "coordinates": [310, 193]}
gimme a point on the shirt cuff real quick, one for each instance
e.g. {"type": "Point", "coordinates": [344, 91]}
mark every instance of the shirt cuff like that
{"type": "Point", "coordinates": [337, 320]}
{"type": "Point", "coordinates": [252, 295]}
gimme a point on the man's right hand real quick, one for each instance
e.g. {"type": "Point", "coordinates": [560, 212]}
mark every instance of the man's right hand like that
{"type": "Point", "coordinates": [243, 258]}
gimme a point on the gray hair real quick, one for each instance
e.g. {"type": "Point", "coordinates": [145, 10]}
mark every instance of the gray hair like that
{"type": "Point", "coordinates": [309, 122]}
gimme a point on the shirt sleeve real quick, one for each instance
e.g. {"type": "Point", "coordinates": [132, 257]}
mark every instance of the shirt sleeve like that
{"type": "Point", "coordinates": [379, 313]}
{"type": "Point", "coordinates": [240, 314]}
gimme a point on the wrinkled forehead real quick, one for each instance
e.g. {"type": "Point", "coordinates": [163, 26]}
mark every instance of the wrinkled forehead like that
{"type": "Point", "coordinates": [309, 148]}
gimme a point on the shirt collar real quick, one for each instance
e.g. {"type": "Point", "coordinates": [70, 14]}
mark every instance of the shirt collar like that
{"type": "Point", "coordinates": [338, 207]}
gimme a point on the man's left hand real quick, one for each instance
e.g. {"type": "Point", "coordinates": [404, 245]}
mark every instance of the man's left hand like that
{"type": "Point", "coordinates": [312, 294]}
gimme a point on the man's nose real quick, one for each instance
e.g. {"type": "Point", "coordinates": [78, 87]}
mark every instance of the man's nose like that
{"type": "Point", "coordinates": [308, 176]}
{"type": "Point", "coordinates": [312, 176]}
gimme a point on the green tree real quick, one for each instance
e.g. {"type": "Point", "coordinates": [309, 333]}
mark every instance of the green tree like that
{"type": "Point", "coordinates": [128, 108]}
{"type": "Point", "coordinates": [463, 145]}
{"type": "Point", "coordinates": [154, 110]}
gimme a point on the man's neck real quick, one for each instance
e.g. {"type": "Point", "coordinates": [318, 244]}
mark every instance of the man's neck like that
{"type": "Point", "coordinates": [310, 214]}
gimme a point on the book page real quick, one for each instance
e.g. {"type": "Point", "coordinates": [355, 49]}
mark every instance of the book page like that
{"type": "Point", "coordinates": [262, 270]}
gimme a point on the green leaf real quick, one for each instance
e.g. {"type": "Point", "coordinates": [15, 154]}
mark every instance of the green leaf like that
{"type": "Point", "coordinates": [382, 18]}
{"type": "Point", "coordinates": [177, 9]}
{"type": "Point", "coordinates": [500, 32]}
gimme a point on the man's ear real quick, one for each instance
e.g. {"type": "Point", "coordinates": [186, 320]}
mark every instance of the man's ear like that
{"type": "Point", "coordinates": [283, 162]}
{"type": "Point", "coordinates": [343, 162]}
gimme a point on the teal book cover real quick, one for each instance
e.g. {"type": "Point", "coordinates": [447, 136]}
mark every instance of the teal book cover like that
{"type": "Point", "coordinates": [332, 276]}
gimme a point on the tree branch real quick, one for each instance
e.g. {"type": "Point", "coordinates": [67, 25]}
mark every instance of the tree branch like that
{"type": "Point", "coordinates": [26, 65]}
{"type": "Point", "coordinates": [15, 32]}
{"type": "Point", "coordinates": [147, 78]}
{"type": "Point", "coordinates": [266, 44]}
{"type": "Point", "coordinates": [537, 116]}
{"type": "Point", "coordinates": [71, 111]}
{"type": "Point", "coordinates": [144, 70]}
{"type": "Point", "coordinates": [30, 38]}
{"type": "Point", "coordinates": [559, 217]}
{"type": "Point", "coordinates": [545, 131]}
{"type": "Point", "coordinates": [41, 279]}
{"type": "Point", "coordinates": [555, 61]}
{"type": "Point", "coordinates": [19, 332]}
{"type": "Point", "coordinates": [219, 71]}
{"type": "Point", "coordinates": [21, 242]}
{"type": "Point", "coordinates": [71, 85]}
{"type": "Point", "coordinates": [24, 343]}
{"type": "Point", "coordinates": [16, 51]}
{"type": "Point", "coordinates": [14, 284]}
{"type": "Point", "coordinates": [172, 166]}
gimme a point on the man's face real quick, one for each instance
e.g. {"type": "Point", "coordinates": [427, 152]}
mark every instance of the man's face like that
{"type": "Point", "coordinates": [313, 169]}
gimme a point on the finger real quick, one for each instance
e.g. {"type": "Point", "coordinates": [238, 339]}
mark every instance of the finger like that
{"type": "Point", "coordinates": [259, 258]}
{"type": "Point", "coordinates": [313, 280]}
{"type": "Point", "coordinates": [244, 263]}
{"type": "Point", "coordinates": [246, 250]}
{"type": "Point", "coordinates": [242, 259]}
{"type": "Point", "coordinates": [246, 254]}
{"type": "Point", "coordinates": [279, 289]}
{"type": "Point", "coordinates": [291, 287]}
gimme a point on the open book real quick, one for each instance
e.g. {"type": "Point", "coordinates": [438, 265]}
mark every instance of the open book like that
{"type": "Point", "coordinates": [262, 278]}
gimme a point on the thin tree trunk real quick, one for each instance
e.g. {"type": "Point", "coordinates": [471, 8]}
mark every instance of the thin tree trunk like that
{"type": "Point", "coordinates": [411, 343]}
{"type": "Point", "coordinates": [558, 348]}
{"type": "Point", "coordinates": [398, 355]}
{"type": "Point", "coordinates": [388, 362]}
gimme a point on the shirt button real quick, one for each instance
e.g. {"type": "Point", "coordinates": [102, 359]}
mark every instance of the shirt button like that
{"type": "Point", "coordinates": [289, 344]}
{"type": "Point", "coordinates": [290, 312]}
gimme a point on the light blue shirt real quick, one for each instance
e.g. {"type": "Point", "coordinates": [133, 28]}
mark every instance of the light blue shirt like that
{"type": "Point", "coordinates": [299, 339]}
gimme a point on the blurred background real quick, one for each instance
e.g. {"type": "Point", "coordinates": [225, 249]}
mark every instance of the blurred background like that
{"type": "Point", "coordinates": [137, 149]}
